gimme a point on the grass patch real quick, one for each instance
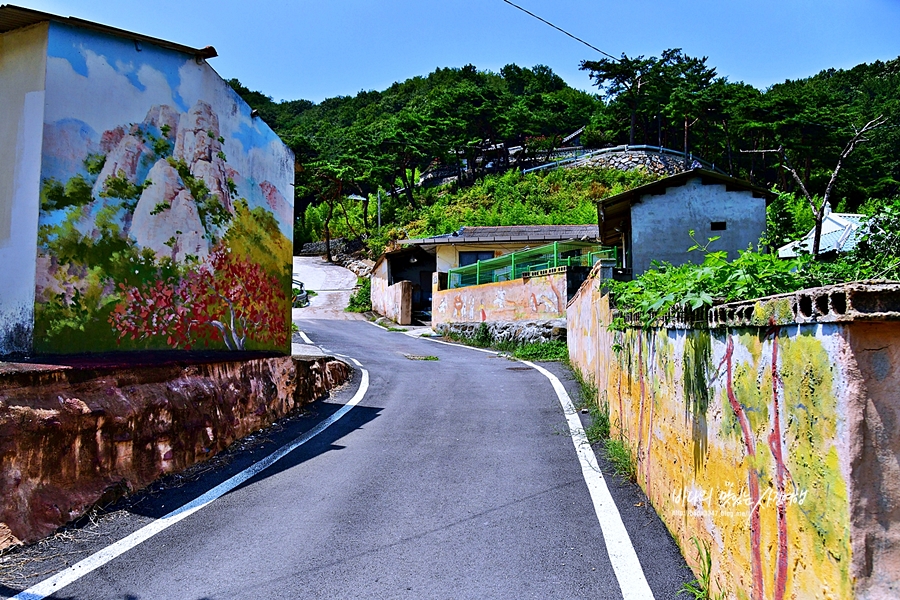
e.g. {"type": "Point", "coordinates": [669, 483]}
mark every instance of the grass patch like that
{"type": "Point", "coordinates": [553, 350]}
{"type": "Point", "coordinates": [598, 430]}
{"type": "Point", "coordinates": [619, 454]}
{"type": "Point", "coordinates": [589, 399]}
{"type": "Point", "coordinates": [361, 300]}
{"type": "Point", "coordinates": [415, 357]}
{"type": "Point", "coordinates": [397, 329]}
{"type": "Point", "coordinates": [699, 588]}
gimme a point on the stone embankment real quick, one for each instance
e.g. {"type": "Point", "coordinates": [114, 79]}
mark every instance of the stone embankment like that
{"type": "Point", "coordinates": [73, 436]}
{"type": "Point", "coordinates": [661, 164]}
{"type": "Point", "coordinates": [524, 332]}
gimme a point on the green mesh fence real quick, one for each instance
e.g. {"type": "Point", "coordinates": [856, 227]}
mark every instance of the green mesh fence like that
{"type": "Point", "coordinates": [513, 265]}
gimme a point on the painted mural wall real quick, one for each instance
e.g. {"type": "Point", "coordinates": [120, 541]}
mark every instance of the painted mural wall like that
{"type": "Point", "coordinates": [770, 444]}
{"type": "Point", "coordinates": [517, 300]}
{"type": "Point", "coordinates": [165, 209]}
{"type": "Point", "coordinates": [22, 74]}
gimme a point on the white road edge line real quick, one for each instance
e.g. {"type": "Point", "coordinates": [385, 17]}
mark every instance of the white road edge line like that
{"type": "Point", "coordinates": [305, 338]}
{"type": "Point", "coordinates": [625, 563]}
{"type": "Point", "coordinates": [622, 555]}
{"type": "Point", "coordinates": [100, 558]}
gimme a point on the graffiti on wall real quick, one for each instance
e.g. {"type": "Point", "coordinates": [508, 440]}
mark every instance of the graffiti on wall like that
{"type": "Point", "coordinates": [737, 438]}
{"type": "Point", "coordinates": [165, 214]}
{"type": "Point", "coordinates": [517, 300]}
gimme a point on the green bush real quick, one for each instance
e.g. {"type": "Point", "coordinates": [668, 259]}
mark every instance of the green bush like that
{"type": "Point", "coordinates": [361, 300]}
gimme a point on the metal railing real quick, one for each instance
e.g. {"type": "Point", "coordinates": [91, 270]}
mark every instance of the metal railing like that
{"type": "Point", "coordinates": [578, 160]}
{"type": "Point", "coordinates": [516, 264]}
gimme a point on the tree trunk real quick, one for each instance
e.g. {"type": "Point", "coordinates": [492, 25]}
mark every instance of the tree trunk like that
{"type": "Point", "coordinates": [728, 148]}
{"type": "Point", "coordinates": [328, 231]}
{"type": "Point", "coordinates": [817, 236]}
{"type": "Point", "coordinates": [633, 122]}
{"type": "Point", "coordinates": [404, 177]}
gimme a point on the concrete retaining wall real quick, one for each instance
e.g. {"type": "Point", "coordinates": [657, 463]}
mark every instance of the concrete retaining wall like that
{"type": "Point", "coordinates": [652, 162]}
{"type": "Point", "coordinates": [772, 436]}
{"type": "Point", "coordinates": [68, 435]}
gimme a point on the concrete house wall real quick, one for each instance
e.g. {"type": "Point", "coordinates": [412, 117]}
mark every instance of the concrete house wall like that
{"type": "Point", "coordinates": [448, 254]}
{"type": "Point", "coordinates": [23, 69]}
{"type": "Point", "coordinates": [660, 225]}
{"type": "Point", "coordinates": [142, 206]}
{"type": "Point", "coordinates": [392, 301]}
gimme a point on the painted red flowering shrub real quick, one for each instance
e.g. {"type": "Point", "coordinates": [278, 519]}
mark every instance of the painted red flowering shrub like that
{"type": "Point", "coordinates": [226, 297]}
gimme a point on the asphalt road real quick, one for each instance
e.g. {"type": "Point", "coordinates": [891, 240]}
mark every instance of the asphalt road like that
{"type": "Point", "coordinates": [453, 478]}
{"type": "Point", "coordinates": [333, 285]}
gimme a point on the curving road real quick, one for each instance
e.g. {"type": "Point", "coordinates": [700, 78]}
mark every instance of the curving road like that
{"type": "Point", "coordinates": [454, 477]}
{"type": "Point", "coordinates": [333, 285]}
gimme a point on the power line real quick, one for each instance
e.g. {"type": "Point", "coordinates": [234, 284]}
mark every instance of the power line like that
{"type": "Point", "coordinates": [528, 12]}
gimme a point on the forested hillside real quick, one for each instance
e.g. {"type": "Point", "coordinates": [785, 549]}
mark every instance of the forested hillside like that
{"type": "Point", "coordinates": [465, 123]}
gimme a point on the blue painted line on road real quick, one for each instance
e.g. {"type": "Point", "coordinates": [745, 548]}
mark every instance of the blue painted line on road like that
{"type": "Point", "coordinates": [98, 559]}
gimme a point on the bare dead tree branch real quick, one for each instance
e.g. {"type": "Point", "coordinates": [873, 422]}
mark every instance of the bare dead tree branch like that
{"type": "Point", "coordinates": [818, 208]}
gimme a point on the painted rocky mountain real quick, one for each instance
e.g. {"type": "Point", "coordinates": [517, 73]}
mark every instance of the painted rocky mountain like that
{"type": "Point", "coordinates": [151, 221]}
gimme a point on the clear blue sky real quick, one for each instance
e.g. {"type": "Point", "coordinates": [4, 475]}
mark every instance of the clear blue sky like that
{"type": "Point", "coordinates": [293, 49]}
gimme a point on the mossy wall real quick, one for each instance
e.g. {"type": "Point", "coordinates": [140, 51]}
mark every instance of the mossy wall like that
{"type": "Point", "coordinates": [777, 445]}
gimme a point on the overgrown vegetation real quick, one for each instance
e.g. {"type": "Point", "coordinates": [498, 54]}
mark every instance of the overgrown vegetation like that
{"type": "Point", "coordinates": [754, 274]}
{"type": "Point", "coordinates": [465, 123]}
{"type": "Point", "coordinates": [552, 350]}
{"type": "Point", "coordinates": [361, 299]}
{"type": "Point", "coordinates": [619, 454]}
{"type": "Point", "coordinates": [550, 198]}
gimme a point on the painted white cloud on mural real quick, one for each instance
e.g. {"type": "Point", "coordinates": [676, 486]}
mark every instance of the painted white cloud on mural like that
{"type": "Point", "coordinates": [122, 103]}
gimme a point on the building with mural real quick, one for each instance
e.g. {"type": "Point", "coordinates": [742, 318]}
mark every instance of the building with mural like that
{"type": "Point", "coordinates": [143, 206]}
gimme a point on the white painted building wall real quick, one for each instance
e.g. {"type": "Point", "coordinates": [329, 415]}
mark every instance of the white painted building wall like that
{"type": "Point", "coordinates": [661, 224]}
{"type": "Point", "coordinates": [23, 68]}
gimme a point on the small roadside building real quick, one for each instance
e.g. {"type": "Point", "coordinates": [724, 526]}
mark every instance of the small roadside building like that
{"type": "Point", "coordinates": [402, 280]}
{"type": "Point", "coordinates": [143, 204]}
{"type": "Point", "coordinates": [654, 221]}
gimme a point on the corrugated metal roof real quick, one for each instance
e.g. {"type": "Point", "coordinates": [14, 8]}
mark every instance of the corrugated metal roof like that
{"type": "Point", "coordinates": [840, 232]}
{"type": "Point", "coordinates": [510, 233]}
{"type": "Point", "coordinates": [16, 17]}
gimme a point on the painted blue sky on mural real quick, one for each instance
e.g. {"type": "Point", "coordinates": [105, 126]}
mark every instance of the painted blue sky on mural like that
{"type": "Point", "coordinates": [135, 80]}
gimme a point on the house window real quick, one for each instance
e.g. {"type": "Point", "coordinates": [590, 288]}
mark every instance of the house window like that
{"type": "Point", "coordinates": [717, 226]}
{"type": "Point", "coordinates": [471, 257]}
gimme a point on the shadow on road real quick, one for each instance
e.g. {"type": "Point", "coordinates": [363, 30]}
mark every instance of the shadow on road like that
{"type": "Point", "coordinates": [33, 564]}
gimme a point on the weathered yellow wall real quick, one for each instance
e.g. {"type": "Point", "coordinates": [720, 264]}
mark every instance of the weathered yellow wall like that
{"type": "Point", "coordinates": [798, 420]}
{"type": "Point", "coordinates": [517, 300]}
